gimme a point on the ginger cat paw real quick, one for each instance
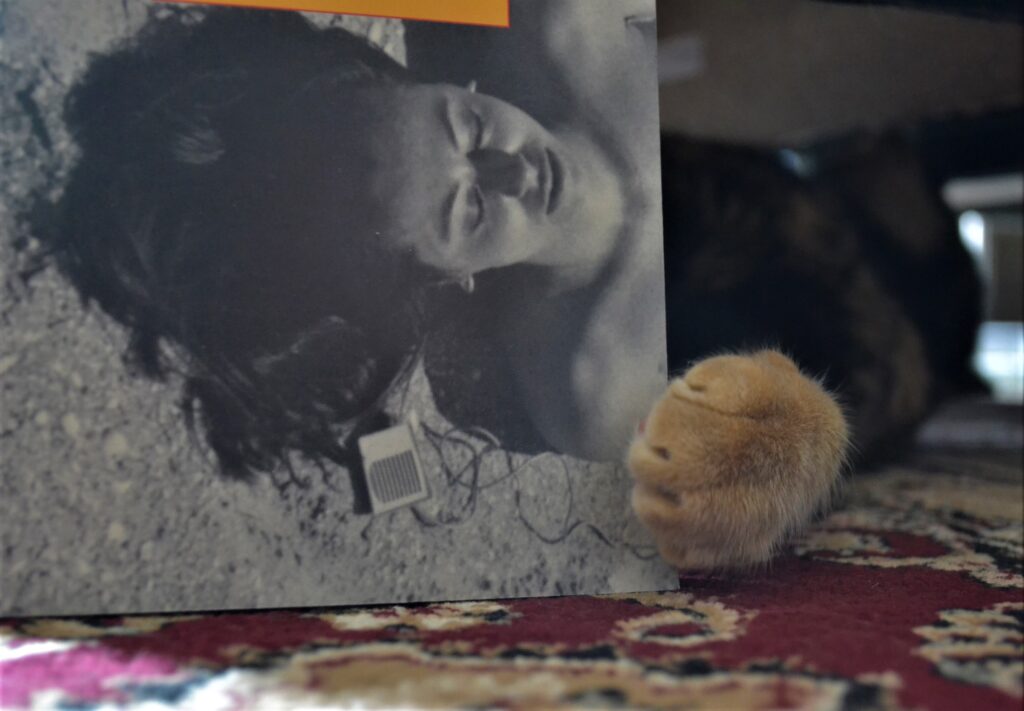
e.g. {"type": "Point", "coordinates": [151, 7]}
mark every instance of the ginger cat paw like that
{"type": "Point", "coordinates": [738, 453]}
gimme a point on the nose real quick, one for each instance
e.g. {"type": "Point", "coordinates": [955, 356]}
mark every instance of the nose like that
{"type": "Point", "coordinates": [503, 173]}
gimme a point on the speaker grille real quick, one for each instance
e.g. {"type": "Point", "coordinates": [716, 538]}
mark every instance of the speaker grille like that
{"type": "Point", "coordinates": [394, 478]}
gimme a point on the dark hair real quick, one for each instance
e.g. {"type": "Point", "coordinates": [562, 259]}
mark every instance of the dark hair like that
{"type": "Point", "coordinates": [216, 213]}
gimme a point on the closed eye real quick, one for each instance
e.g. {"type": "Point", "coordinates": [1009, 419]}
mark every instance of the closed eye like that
{"type": "Point", "coordinates": [476, 209]}
{"type": "Point", "coordinates": [478, 131]}
{"type": "Point", "coordinates": [662, 453]}
{"type": "Point", "coordinates": [447, 217]}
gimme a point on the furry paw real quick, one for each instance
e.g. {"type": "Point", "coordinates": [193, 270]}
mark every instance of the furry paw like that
{"type": "Point", "coordinates": [738, 453]}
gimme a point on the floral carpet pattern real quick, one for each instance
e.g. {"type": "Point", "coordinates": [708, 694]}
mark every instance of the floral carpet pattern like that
{"type": "Point", "coordinates": [909, 596]}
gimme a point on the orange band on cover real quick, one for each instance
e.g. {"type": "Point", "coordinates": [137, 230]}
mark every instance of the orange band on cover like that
{"type": "Point", "coordinates": [493, 13]}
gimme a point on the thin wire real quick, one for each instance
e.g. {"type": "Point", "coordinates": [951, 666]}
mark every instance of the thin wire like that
{"type": "Point", "coordinates": [478, 446]}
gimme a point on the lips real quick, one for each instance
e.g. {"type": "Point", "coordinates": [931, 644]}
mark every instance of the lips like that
{"type": "Point", "coordinates": [555, 181]}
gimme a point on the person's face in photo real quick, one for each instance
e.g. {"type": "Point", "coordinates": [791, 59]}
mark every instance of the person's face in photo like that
{"type": "Point", "coordinates": [470, 182]}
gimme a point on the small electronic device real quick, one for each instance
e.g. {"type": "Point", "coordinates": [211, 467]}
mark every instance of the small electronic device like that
{"type": "Point", "coordinates": [394, 475]}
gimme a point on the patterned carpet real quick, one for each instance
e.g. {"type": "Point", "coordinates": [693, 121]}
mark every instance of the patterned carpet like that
{"type": "Point", "coordinates": [908, 597]}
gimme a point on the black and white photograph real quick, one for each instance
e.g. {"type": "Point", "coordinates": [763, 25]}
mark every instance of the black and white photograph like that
{"type": "Point", "coordinates": [307, 309]}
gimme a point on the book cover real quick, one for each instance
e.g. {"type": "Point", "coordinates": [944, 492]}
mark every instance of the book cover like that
{"type": "Point", "coordinates": [309, 309]}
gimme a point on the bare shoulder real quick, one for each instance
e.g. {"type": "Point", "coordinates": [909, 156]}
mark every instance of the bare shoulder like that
{"type": "Point", "coordinates": [598, 47]}
{"type": "Point", "coordinates": [590, 363]}
{"type": "Point", "coordinates": [620, 367]}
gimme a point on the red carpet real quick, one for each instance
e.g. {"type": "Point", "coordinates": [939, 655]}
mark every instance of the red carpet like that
{"type": "Point", "coordinates": [909, 597]}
